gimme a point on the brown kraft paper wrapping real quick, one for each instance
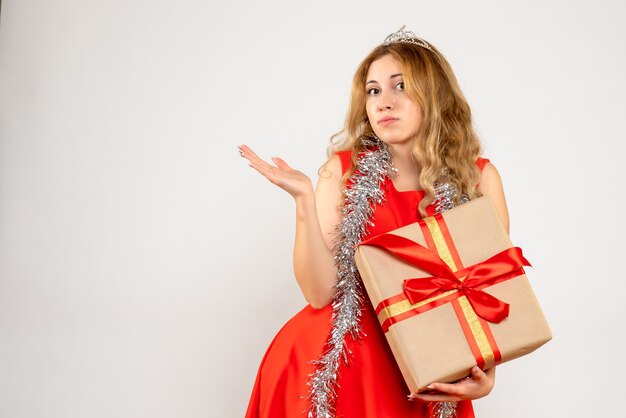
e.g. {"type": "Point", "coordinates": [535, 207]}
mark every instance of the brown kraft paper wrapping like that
{"type": "Point", "coordinates": [431, 346]}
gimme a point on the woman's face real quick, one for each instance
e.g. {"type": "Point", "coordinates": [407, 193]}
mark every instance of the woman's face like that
{"type": "Point", "coordinates": [393, 115]}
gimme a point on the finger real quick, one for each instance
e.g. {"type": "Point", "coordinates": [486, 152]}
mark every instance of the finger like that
{"type": "Point", "coordinates": [280, 163]}
{"type": "Point", "coordinates": [248, 153]}
{"type": "Point", "coordinates": [446, 388]}
{"type": "Point", "coordinates": [252, 157]}
{"type": "Point", "coordinates": [243, 150]}
{"type": "Point", "coordinates": [478, 374]}
{"type": "Point", "coordinates": [268, 172]}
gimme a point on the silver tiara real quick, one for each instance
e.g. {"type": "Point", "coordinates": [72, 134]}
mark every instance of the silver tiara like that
{"type": "Point", "coordinates": [402, 35]}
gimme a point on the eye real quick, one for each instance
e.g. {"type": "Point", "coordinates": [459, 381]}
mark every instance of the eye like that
{"type": "Point", "coordinates": [373, 91]}
{"type": "Point", "coordinates": [400, 85]}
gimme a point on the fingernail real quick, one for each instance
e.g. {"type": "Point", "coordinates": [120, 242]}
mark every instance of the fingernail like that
{"type": "Point", "coordinates": [431, 386]}
{"type": "Point", "coordinates": [475, 369]}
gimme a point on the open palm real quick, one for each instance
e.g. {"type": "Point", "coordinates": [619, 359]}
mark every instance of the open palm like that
{"type": "Point", "coordinates": [292, 181]}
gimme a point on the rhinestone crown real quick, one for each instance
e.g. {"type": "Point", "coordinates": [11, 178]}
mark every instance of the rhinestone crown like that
{"type": "Point", "coordinates": [402, 35]}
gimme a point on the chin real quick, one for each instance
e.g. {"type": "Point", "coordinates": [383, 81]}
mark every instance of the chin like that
{"type": "Point", "coordinates": [393, 140]}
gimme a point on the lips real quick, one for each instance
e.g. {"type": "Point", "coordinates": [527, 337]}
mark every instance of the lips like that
{"type": "Point", "coordinates": [387, 120]}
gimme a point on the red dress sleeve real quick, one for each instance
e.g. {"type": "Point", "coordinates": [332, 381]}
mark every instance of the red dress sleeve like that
{"type": "Point", "coordinates": [481, 162]}
{"type": "Point", "coordinates": [346, 160]}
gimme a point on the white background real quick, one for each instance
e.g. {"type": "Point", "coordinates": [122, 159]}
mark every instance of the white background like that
{"type": "Point", "coordinates": [144, 267]}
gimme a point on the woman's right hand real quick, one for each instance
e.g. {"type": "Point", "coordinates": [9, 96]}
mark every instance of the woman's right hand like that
{"type": "Point", "coordinates": [294, 182]}
{"type": "Point", "coordinates": [318, 215]}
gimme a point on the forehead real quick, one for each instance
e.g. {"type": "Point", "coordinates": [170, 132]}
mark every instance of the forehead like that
{"type": "Point", "coordinates": [383, 68]}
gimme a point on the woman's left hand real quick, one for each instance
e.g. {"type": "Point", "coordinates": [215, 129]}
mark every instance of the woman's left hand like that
{"type": "Point", "coordinates": [478, 385]}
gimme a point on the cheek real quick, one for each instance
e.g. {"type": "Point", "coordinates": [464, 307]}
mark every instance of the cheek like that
{"type": "Point", "coordinates": [369, 109]}
{"type": "Point", "coordinates": [418, 116]}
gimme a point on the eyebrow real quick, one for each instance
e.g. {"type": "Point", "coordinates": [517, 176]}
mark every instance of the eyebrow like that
{"type": "Point", "coordinates": [374, 81]}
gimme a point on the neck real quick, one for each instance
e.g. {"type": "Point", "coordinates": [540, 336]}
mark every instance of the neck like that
{"type": "Point", "coordinates": [402, 154]}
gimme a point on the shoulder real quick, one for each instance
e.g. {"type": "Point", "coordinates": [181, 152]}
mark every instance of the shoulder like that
{"type": "Point", "coordinates": [487, 170]}
{"type": "Point", "coordinates": [334, 163]}
{"type": "Point", "coordinates": [337, 164]}
{"type": "Point", "coordinates": [332, 168]}
{"type": "Point", "coordinates": [489, 175]}
{"type": "Point", "coordinates": [329, 189]}
{"type": "Point", "coordinates": [491, 184]}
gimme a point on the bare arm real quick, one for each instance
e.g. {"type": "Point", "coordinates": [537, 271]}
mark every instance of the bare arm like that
{"type": "Point", "coordinates": [317, 214]}
{"type": "Point", "coordinates": [316, 219]}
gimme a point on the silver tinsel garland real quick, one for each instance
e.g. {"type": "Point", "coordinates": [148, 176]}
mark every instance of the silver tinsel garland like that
{"type": "Point", "coordinates": [373, 166]}
{"type": "Point", "coordinates": [445, 193]}
{"type": "Point", "coordinates": [372, 169]}
{"type": "Point", "coordinates": [444, 409]}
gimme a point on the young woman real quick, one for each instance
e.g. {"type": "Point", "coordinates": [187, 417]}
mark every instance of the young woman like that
{"type": "Point", "coordinates": [405, 101]}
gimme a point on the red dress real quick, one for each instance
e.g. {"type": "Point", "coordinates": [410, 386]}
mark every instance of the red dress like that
{"type": "Point", "coordinates": [371, 386]}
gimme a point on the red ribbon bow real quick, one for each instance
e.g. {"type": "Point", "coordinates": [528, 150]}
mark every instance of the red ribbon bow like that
{"type": "Point", "coordinates": [500, 267]}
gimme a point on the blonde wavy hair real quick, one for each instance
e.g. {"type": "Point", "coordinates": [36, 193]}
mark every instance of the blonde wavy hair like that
{"type": "Point", "coordinates": [446, 138]}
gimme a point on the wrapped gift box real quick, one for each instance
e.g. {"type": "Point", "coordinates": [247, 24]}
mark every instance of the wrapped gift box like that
{"type": "Point", "coordinates": [450, 292]}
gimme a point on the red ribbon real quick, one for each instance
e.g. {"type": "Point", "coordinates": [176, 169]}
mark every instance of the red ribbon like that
{"type": "Point", "coordinates": [500, 267]}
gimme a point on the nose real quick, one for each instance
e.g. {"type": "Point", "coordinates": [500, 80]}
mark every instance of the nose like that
{"type": "Point", "coordinates": [386, 101]}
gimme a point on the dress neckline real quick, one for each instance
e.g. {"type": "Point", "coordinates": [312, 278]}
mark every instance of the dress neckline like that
{"type": "Point", "coordinates": [419, 191]}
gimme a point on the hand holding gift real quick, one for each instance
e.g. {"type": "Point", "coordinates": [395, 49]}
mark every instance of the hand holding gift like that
{"type": "Point", "coordinates": [478, 385]}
